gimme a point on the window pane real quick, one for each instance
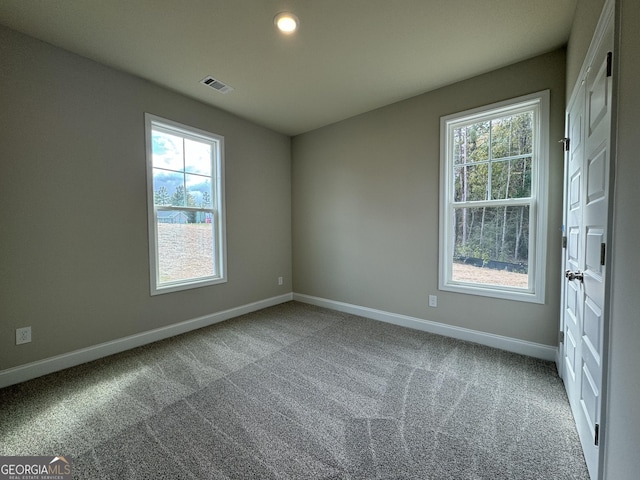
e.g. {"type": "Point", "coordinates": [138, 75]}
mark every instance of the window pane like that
{"type": "Point", "coordinates": [198, 191]}
{"type": "Point", "coordinates": [171, 185]}
{"type": "Point", "coordinates": [470, 182]}
{"type": "Point", "coordinates": [185, 248]}
{"type": "Point", "coordinates": [197, 157]}
{"type": "Point", "coordinates": [511, 179]}
{"type": "Point", "coordinates": [491, 245]}
{"type": "Point", "coordinates": [471, 143]}
{"type": "Point", "coordinates": [491, 167]}
{"type": "Point", "coordinates": [512, 135]}
{"type": "Point", "coordinates": [167, 151]}
{"type": "Point", "coordinates": [187, 239]}
{"type": "Point", "coordinates": [166, 184]}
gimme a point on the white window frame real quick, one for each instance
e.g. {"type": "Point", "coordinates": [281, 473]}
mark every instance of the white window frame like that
{"type": "Point", "coordinates": [217, 209]}
{"type": "Point", "coordinates": [537, 203]}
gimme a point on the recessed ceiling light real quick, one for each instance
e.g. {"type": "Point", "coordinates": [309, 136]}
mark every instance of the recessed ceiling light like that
{"type": "Point", "coordinates": [286, 22]}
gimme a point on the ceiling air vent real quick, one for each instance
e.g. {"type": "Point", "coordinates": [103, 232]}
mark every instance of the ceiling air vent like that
{"type": "Point", "coordinates": [216, 84]}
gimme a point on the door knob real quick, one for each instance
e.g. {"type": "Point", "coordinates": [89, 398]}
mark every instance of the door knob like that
{"type": "Point", "coordinates": [574, 275]}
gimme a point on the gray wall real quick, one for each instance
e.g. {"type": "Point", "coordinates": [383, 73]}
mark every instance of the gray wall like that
{"type": "Point", "coordinates": [365, 207]}
{"type": "Point", "coordinates": [73, 216]}
{"type": "Point", "coordinates": [584, 24]}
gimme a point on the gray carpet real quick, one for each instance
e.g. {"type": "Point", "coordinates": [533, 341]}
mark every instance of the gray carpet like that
{"type": "Point", "coordinates": [300, 392]}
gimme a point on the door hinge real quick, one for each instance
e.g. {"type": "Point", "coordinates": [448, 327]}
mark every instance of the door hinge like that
{"type": "Point", "coordinates": [561, 336]}
{"type": "Point", "coordinates": [603, 253]}
{"type": "Point", "coordinates": [596, 437]}
{"type": "Point", "coordinates": [564, 241]}
{"type": "Point", "coordinates": [609, 64]}
{"type": "Point", "coordinates": [565, 143]}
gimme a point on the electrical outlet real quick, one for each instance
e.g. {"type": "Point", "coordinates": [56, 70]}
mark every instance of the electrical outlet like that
{"type": "Point", "coordinates": [280, 281]}
{"type": "Point", "coordinates": [23, 335]}
{"type": "Point", "coordinates": [433, 300]}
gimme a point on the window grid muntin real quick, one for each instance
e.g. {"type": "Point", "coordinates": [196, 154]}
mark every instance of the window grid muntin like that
{"type": "Point", "coordinates": [530, 107]}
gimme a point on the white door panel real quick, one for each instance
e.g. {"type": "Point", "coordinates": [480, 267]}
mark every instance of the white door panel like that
{"type": "Point", "coordinates": [587, 166]}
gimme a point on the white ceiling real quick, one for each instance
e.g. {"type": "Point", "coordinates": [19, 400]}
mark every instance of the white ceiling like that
{"type": "Point", "coordinates": [349, 56]}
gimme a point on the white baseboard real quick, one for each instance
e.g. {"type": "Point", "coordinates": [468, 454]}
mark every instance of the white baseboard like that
{"type": "Point", "coordinates": [60, 362]}
{"type": "Point", "coordinates": [522, 347]}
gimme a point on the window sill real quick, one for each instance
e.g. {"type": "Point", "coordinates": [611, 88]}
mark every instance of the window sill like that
{"type": "Point", "coordinates": [186, 286]}
{"type": "Point", "coordinates": [518, 295]}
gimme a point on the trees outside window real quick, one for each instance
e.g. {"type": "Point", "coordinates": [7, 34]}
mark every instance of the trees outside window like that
{"type": "Point", "coordinates": [493, 199]}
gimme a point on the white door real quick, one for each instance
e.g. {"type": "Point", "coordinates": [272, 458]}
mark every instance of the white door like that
{"type": "Point", "coordinates": [588, 128]}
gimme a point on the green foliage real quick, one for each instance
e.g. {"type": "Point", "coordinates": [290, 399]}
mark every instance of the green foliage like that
{"type": "Point", "coordinates": [493, 161]}
{"type": "Point", "coordinates": [206, 200]}
{"type": "Point", "coordinates": [492, 233]}
{"type": "Point", "coordinates": [512, 135]}
{"type": "Point", "coordinates": [180, 199]}
{"type": "Point", "coordinates": [161, 196]}
{"type": "Point", "coordinates": [484, 167]}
